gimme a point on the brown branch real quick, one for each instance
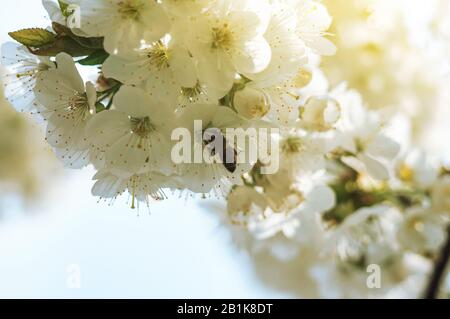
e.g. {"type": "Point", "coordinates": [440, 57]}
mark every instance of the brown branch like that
{"type": "Point", "coordinates": [439, 270]}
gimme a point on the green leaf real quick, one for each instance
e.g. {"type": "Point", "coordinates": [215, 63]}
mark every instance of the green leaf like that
{"type": "Point", "coordinates": [63, 44]}
{"type": "Point", "coordinates": [34, 37]}
{"type": "Point", "coordinates": [66, 41]}
{"type": "Point", "coordinates": [96, 58]}
{"type": "Point", "coordinates": [45, 43]}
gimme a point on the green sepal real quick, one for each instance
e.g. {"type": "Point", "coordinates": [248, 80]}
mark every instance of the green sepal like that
{"type": "Point", "coordinates": [64, 7]}
{"type": "Point", "coordinates": [96, 58]}
{"type": "Point", "coordinates": [99, 107]}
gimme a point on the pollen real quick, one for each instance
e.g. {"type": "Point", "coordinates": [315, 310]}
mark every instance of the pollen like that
{"type": "Point", "coordinates": [29, 73]}
{"type": "Point", "coordinates": [193, 92]}
{"type": "Point", "coordinates": [222, 37]}
{"type": "Point", "coordinates": [406, 173]}
{"type": "Point", "coordinates": [130, 9]}
{"type": "Point", "coordinates": [141, 126]}
{"type": "Point", "coordinates": [78, 105]}
{"type": "Point", "coordinates": [302, 78]}
{"type": "Point", "coordinates": [292, 145]}
{"type": "Point", "coordinates": [418, 226]}
{"type": "Point", "coordinates": [159, 56]}
{"type": "Point", "coordinates": [259, 109]}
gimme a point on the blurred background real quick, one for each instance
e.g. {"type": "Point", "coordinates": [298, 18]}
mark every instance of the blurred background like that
{"type": "Point", "coordinates": [56, 240]}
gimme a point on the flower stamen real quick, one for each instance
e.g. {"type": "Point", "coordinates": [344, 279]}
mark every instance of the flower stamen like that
{"type": "Point", "coordinates": [130, 9]}
{"type": "Point", "coordinates": [141, 126]}
{"type": "Point", "coordinates": [222, 37]}
{"type": "Point", "coordinates": [159, 56]}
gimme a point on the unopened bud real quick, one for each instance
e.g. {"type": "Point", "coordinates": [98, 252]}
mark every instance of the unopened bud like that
{"type": "Point", "coordinates": [320, 113]}
{"type": "Point", "coordinates": [251, 103]}
{"type": "Point", "coordinates": [302, 78]}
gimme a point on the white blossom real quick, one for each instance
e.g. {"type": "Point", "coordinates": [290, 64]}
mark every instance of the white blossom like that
{"type": "Point", "coordinates": [360, 133]}
{"type": "Point", "coordinates": [125, 24]}
{"type": "Point", "coordinates": [22, 70]}
{"type": "Point", "coordinates": [229, 39]}
{"type": "Point", "coordinates": [422, 231]}
{"type": "Point", "coordinates": [133, 137]}
{"type": "Point", "coordinates": [163, 68]}
{"type": "Point", "coordinates": [440, 195]}
{"type": "Point", "coordinates": [67, 105]}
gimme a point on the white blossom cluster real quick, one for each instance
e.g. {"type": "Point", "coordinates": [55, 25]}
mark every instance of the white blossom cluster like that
{"type": "Point", "coordinates": [329, 215]}
{"type": "Point", "coordinates": [396, 58]}
{"type": "Point", "coordinates": [113, 79]}
{"type": "Point", "coordinates": [228, 63]}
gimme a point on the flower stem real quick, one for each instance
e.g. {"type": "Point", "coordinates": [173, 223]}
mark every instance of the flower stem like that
{"type": "Point", "coordinates": [439, 272]}
{"type": "Point", "coordinates": [101, 96]}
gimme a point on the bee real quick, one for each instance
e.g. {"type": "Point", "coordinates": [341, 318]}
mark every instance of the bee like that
{"type": "Point", "coordinates": [226, 152]}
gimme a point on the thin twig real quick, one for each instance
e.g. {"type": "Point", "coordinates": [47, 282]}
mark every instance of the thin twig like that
{"type": "Point", "coordinates": [439, 272]}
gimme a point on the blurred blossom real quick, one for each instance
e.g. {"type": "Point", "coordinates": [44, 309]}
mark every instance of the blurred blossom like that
{"type": "Point", "coordinates": [381, 55]}
{"type": "Point", "coordinates": [26, 165]}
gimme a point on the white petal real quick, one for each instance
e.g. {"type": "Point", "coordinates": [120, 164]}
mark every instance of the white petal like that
{"type": "Point", "coordinates": [163, 85]}
{"type": "Point", "coordinates": [215, 69]}
{"type": "Point", "coordinates": [155, 22]}
{"type": "Point", "coordinates": [108, 186]}
{"type": "Point", "coordinates": [66, 132]}
{"type": "Point", "coordinates": [54, 11]}
{"type": "Point", "coordinates": [254, 56]}
{"type": "Point", "coordinates": [130, 72]}
{"type": "Point", "coordinates": [72, 158]}
{"type": "Point", "coordinates": [374, 168]}
{"type": "Point", "coordinates": [132, 101]}
{"type": "Point", "coordinates": [384, 147]}
{"type": "Point", "coordinates": [320, 199]}
{"type": "Point", "coordinates": [127, 156]}
{"type": "Point", "coordinates": [183, 67]}
{"type": "Point", "coordinates": [322, 46]}
{"type": "Point", "coordinates": [67, 69]}
{"type": "Point", "coordinates": [107, 127]}
{"type": "Point", "coordinates": [91, 94]}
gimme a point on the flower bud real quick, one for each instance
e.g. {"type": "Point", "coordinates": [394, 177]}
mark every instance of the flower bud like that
{"type": "Point", "coordinates": [302, 78]}
{"type": "Point", "coordinates": [251, 103]}
{"type": "Point", "coordinates": [421, 231]}
{"type": "Point", "coordinates": [320, 113]}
